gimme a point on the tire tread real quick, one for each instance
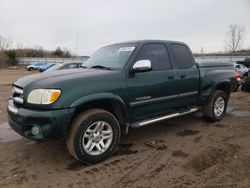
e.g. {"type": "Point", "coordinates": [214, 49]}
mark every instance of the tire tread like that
{"type": "Point", "coordinates": [75, 125]}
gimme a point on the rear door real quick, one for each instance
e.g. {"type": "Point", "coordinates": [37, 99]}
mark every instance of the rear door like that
{"type": "Point", "coordinates": [153, 92]}
{"type": "Point", "coordinates": [188, 74]}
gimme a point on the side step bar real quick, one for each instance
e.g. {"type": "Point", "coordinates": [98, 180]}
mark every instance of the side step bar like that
{"type": "Point", "coordinates": [161, 118]}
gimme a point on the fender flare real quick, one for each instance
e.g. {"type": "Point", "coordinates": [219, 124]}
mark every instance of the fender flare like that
{"type": "Point", "coordinates": [102, 96]}
{"type": "Point", "coordinates": [206, 93]}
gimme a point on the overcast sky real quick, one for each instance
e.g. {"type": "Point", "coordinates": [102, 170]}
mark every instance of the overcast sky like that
{"type": "Point", "coordinates": [82, 26]}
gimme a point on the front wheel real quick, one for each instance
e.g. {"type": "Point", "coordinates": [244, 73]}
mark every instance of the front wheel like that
{"type": "Point", "coordinates": [93, 136]}
{"type": "Point", "coordinates": [31, 69]}
{"type": "Point", "coordinates": [216, 108]}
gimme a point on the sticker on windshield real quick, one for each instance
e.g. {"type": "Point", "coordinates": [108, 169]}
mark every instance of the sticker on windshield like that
{"type": "Point", "coordinates": [126, 49]}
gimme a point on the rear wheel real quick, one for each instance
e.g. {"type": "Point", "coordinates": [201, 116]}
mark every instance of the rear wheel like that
{"type": "Point", "coordinates": [93, 136]}
{"type": "Point", "coordinates": [216, 108]}
{"type": "Point", "coordinates": [244, 82]}
{"type": "Point", "coordinates": [31, 69]}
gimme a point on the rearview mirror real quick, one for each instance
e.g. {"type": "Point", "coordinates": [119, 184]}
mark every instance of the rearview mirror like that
{"type": "Point", "coordinates": [142, 65]}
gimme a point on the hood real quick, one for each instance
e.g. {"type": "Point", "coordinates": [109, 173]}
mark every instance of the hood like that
{"type": "Point", "coordinates": [50, 78]}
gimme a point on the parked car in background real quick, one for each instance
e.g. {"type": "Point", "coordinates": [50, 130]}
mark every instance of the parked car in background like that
{"type": "Point", "coordinates": [35, 66]}
{"type": "Point", "coordinates": [45, 67]}
{"type": "Point", "coordinates": [239, 80]}
{"type": "Point", "coordinates": [61, 66]}
{"type": "Point", "coordinates": [241, 69]}
{"type": "Point", "coordinates": [245, 84]}
{"type": "Point", "coordinates": [246, 62]}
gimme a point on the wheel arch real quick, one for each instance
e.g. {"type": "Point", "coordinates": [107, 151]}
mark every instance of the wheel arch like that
{"type": "Point", "coordinates": [223, 86]}
{"type": "Point", "coordinates": [107, 101]}
{"type": "Point", "coordinates": [207, 93]}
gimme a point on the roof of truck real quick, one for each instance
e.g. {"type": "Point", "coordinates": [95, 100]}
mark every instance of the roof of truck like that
{"type": "Point", "coordinates": [148, 41]}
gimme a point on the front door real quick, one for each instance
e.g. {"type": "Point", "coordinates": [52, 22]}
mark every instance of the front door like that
{"type": "Point", "coordinates": [153, 92]}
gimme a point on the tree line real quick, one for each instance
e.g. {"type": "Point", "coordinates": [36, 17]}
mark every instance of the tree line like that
{"type": "Point", "coordinates": [236, 36]}
{"type": "Point", "coordinates": [9, 55]}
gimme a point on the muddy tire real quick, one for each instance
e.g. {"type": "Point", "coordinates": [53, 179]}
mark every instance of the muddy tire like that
{"type": "Point", "coordinates": [31, 69]}
{"type": "Point", "coordinates": [93, 136]}
{"type": "Point", "coordinates": [216, 108]}
{"type": "Point", "coordinates": [244, 83]}
{"type": "Point", "coordinates": [236, 89]}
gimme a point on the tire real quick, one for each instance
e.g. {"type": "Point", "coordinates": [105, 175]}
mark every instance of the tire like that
{"type": "Point", "coordinates": [244, 83]}
{"type": "Point", "coordinates": [88, 129]}
{"type": "Point", "coordinates": [236, 89]}
{"type": "Point", "coordinates": [216, 107]}
{"type": "Point", "coordinates": [31, 69]}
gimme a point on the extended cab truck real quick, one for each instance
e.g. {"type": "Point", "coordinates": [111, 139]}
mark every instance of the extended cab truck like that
{"type": "Point", "coordinates": [124, 85]}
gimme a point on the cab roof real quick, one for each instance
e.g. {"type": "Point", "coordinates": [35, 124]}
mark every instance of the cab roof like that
{"type": "Point", "coordinates": [147, 41]}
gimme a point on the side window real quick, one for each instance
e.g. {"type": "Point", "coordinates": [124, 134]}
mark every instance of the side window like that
{"type": "Point", "coordinates": [157, 54]}
{"type": "Point", "coordinates": [182, 56]}
{"type": "Point", "coordinates": [70, 66]}
{"type": "Point", "coordinates": [65, 67]}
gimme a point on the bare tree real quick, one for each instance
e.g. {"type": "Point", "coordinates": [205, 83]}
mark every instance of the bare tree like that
{"type": "Point", "coordinates": [5, 43]}
{"type": "Point", "coordinates": [19, 45]}
{"type": "Point", "coordinates": [236, 36]}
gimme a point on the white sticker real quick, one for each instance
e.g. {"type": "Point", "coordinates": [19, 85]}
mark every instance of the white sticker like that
{"type": "Point", "coordinates": [126, 49]}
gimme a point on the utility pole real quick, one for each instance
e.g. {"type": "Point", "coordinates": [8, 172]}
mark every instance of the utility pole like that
{"type": "Point", "coordinates": [77, 38]}
{"type": "Point", "coordinates": [202, 52]}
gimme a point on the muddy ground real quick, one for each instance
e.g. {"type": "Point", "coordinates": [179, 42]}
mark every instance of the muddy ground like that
{"type": "Point", "coordinates": [181, 152]}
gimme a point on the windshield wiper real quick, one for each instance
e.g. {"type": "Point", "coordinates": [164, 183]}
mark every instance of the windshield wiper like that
{"type": "Point", "coordinates": [101, 67]}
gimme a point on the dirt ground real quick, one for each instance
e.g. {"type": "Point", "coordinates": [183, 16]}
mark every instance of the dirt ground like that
{"type": "Point", "coordinates": [181, 152]}
{"type": "Point", "coordinates": [7, 78]}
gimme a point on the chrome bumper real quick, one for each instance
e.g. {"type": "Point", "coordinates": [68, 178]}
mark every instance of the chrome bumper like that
{"type": "Point", "coordinates": [12, 109]}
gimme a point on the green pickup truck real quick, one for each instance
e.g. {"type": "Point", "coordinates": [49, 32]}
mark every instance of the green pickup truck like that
{"type": "Point", "coordinates": [124, 85]}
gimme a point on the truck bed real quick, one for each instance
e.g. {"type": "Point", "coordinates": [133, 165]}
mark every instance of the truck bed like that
{"type": "Point", "coordinates": [213, 64]}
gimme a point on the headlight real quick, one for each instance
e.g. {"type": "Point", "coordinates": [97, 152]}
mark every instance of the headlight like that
{"type": "Point", "coordinates": [43, 96]}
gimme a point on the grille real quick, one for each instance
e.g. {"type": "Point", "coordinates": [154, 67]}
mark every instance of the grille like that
{"type": "Point", "coordinates": [17, 95]}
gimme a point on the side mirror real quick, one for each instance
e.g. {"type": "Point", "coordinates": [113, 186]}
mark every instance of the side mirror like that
{"type": "Point", "coordinates": [142, 66]}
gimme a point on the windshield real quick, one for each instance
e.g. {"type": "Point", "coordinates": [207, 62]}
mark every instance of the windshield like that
{"type": "Point", "coordinates": [114, 56]}
{"type": "Point", "coordinates": [55, 67]}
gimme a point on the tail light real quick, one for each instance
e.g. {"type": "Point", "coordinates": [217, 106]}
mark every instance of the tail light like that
{"type": "Point", "coordinates": [236, 76]}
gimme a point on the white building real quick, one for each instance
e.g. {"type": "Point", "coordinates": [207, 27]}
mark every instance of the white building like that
{"type": "Point", "coordinates": [30, 60]}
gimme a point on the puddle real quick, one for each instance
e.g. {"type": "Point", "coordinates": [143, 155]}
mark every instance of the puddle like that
{"type": "Point", "coordinates": [76, 166]}
{"type": "Point", "coordinates": [157, 144]}
{"type": "Point", "coordinates": [125, 149]}
{"type": "Point", "coordinates": [197, 139]}
{"type": "Point", "coordinates": [187, 132]}
{"type": "Point", "coordinates": [239, 113]}
{"type": "Point", "coordinates": [219, 125]}
{"type": "Point", "coordinates": [179, 153]}
{"type": "Point", "coordinates": [7, 134]}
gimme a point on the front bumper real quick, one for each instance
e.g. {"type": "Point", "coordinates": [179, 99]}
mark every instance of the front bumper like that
{"type": "Point", "coordinates": [53, 124]}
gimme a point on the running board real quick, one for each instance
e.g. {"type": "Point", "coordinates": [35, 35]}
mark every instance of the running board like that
{"type": "Point", "coordinates": [161, 118]}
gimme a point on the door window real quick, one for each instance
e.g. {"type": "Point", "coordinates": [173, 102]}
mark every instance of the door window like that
{"type": "Point", "coordinates": [157, 54]}
{"type": "Point", "coordinates": [70, 66]}
{"type": "Point", "coordinates": [182, 56]}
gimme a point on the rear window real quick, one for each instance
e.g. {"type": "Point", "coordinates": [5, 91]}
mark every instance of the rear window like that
{"type": "Point", "coordinates": [182, 56]}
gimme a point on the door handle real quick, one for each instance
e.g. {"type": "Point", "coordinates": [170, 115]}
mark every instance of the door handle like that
{"type": "Point", "coordinates": [183, 76]}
